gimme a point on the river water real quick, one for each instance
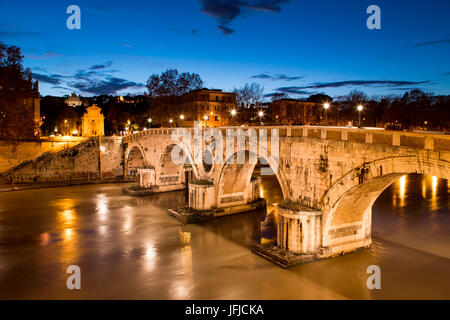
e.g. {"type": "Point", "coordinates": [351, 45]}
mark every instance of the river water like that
{"type": "Point", "coordinates": [129, 248]}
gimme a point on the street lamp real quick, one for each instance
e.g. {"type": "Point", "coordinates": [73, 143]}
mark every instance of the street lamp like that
{"type": "Point", "coordinates": [182, 117]}
{"type": "Point", "coordinates": [326, 106]}
{"type": "Point", "coordinates": [360, 109]}
{"type": "Point", "coordinates": [206, 119]}
{"type": "Point", "coordinates": [233, 114]}
{"type": "Point", "coordinates": [261, 115]}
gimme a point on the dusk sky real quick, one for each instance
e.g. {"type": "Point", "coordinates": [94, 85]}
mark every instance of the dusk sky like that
{"type": "Point", "coordinates": [298, 47]}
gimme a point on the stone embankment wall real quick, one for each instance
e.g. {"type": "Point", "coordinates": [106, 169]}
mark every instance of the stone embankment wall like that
{"type": "Point", "coordinates": [79, 163]}
{"type": "Point", "coordinates": [16, 152]}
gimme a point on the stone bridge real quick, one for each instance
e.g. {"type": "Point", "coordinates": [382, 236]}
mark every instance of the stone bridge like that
{"type": "Point", "coordinates": [330, 176]}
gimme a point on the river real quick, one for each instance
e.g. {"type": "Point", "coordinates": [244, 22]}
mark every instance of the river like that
{"type": "Point", "coordinates": [129, 248]}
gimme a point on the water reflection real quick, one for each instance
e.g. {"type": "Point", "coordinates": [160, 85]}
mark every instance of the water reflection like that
{"type": "Point", "coordinates": [139, 252]}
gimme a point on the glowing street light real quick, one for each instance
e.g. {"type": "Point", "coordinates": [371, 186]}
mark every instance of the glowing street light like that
{"type": "Point", "coordinates": [182, 117]}
{"type": "Point", "coordinates": [233, 114]}
{"type": "Point", "coordinates": [360, 109]}
{"type": "Point", "coordinates": [150, 120]}
{"type": "Point", "coordinates": [261, 114]}
{"type": "Point", "coordinates": [326, 106]}
{"type": "Point", "coordinates": [170, 120]}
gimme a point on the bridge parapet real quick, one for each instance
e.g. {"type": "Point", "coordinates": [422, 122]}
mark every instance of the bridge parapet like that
{"type": "Point", "coordinates": [420, 140]}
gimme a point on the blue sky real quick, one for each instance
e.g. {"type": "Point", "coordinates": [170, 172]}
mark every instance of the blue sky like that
{"type": "Point", "coordinates": [298, 47]}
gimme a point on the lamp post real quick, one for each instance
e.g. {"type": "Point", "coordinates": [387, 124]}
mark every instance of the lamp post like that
{"type": "Point", "coordinates": [360, 109]}
{"type": "Point", "coordinates": [181, 117]}
{"type": "Point", "coordinates": [326, 106]}
{"type": "Point", "coordinates": [206, 120]}
{"type": "Point", "coordinates": [261, 115]}
{"type": "Point", "coordinates": [233, 114]}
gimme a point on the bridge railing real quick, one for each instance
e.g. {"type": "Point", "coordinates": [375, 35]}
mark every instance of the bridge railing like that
{"type": "Point", "coordinates": [421, 140]}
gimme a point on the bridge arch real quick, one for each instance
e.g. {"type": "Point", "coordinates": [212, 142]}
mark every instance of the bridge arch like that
{"type": "Point", "coordinates": [168, 168]}
{"type": "Point", "coordinates": [234, 179]}
{"type": "Point", "coordinates": [347, 206]}
{"type": "Point", "coordinates": [134, 159]}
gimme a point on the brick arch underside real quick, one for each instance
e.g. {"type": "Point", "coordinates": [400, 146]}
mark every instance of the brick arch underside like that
{"type": "Point", "coordinates": [347, 207]}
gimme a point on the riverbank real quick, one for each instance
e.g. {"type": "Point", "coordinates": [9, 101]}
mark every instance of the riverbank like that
{"type": "Point", "coordinates": [28, 186]}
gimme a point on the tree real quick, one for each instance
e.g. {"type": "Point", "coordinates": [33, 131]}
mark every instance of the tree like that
{"type": "Point", "coordinates": [356, 97]}
{"type": "Point", "coordinates": [171, 83]}
{"type": "Point", "coordinates": [15, 87]}
{"type": "Point", "coordinates": [250, 95]}
{"type": "Point", "coordinates": [279, 96]}
{"type": "Point", "coordinates": [320, 98]}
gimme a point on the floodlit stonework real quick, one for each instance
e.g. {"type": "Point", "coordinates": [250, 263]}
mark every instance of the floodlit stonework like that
{"type": "Point", "coordinates": [335, 174]}
{"type": "Point", "coordinates": [93, 122]}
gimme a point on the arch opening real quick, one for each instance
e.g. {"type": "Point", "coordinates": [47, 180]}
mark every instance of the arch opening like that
{"type": "Point", "coordinates": [242, 183]}
{"type": "Point", "coordinates": [171, 172]}
{"type": "Point", "coordinates": [135, 161]}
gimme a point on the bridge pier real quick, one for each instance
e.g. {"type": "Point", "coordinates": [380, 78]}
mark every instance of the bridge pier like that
{"type": "Point", "coordinates": [299, 230]}
{"type": "Point", "coordinates": [204, 202]}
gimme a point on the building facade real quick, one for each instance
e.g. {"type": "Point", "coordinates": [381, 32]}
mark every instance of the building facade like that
{"type": "Point", "coordinates": [33, 104]}
{"type": "Point", "coordinates": [295, 112]}
{"type": "Point", "coordinates": [210, 107]}
{"type": "Point", "coordinates": [93, 122]}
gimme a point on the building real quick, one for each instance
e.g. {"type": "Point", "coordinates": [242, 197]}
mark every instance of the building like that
{"type": "Point", "coordinates": [33, 104]}
{"type": "Point", "coordinates": [211, 107]}
{"type": "Point", "coordinates": [93, 122]}
{"type": "Point", "coordinates": [295, 112]}
{"type": "Point", "coordinates": [76, 101]}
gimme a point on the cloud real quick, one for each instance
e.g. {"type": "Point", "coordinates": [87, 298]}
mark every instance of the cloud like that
{"type": "Point", "coordinates": [89, 81]}
{"type": "Point", "coordinates": [13, 31]}
{"type": "Point", "coordinates": [101, 66]}
{"type": "Point", "coordinates": [11, 34]}
{"type": "Point", "coordinates": [225, 11]}
{"type": "Point", "coordinates": [431, 43]}
{"type": "Point", "coordinates": [108, 86]}
{"type": "Point", "coordinates": [43, 56]}
{"type": "Point", "coordinates": [295, 90]}
{"type": "Point", "coordinates": [192, 32]}
{"type": "Point", "coordinates": [366, 83]}
{"type": "Point", "coordinates": [276, 77]}
{"type": "Point", "coordinates": [54, 79]}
